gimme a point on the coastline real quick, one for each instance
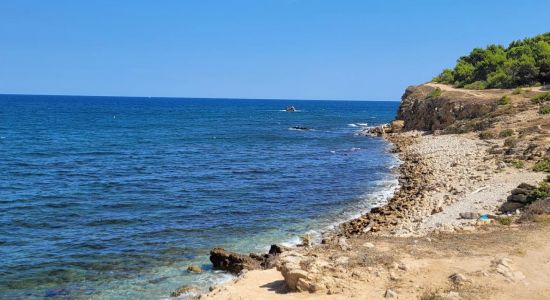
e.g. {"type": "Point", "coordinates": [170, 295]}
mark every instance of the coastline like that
{"type": "Point", "coordinates": [418, 209]}
{"type": "Point", "coordinates": [461, 159]}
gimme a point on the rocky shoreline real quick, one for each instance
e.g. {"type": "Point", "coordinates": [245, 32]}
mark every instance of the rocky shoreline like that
{"type": "Point", "coordinates": [446, 182]}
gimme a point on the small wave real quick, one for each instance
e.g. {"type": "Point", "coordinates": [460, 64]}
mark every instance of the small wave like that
{"type": "Point", "coordinates": [358, 125]}
{"type": "Point", "coordinates": [300, 128]}
{"type": "Point", "coordinates": [110, 222]}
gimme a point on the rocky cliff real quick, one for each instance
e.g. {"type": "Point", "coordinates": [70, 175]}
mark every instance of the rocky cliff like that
{"type": "Point", "coordinates": [431, 107]}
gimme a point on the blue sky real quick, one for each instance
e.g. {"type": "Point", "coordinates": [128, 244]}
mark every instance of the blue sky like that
{"type": "Point", "coordinates": [291, 49]}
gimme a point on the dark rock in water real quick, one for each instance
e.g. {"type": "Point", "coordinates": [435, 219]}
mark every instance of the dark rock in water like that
{"type": "Point", "coordinates": [290, 108]}
{"type": "Point", "coordinates": [184, 290]}
{"type": "Point", "coordinates": [158, 280]}
{"type": "Point", "coordinates": [54, 293]}
{"type": "Point", "coordinates": [276, 249]}
{"type": "Point", "coordinates": [233, 262]}
{"type": "Point", "coordinates": [300, 128]}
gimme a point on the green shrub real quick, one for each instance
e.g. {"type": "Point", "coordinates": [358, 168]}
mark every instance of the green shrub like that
{"type": "Point", "coordinates": [517, 91]}
{"type": "Point", "coordinates": [478, 85]}
{"type": "Point", "coordinates": [540, 98]}
{"type": "Point", "coordinates": [487, 135]}
{"type": "Point", "coordinates": [505, 100]}
{"type": "Point", "coordinates": [545, 109]}
{"type": "Point", "coordinates": [505, 221]}
{"type": "Point", "coordinates": [445, 77]}
{"type": "Point", "coordinates": [506, 133]}
{"type": "Point", "coordinates": [518, 164]}
{"type": "Point", "coordinates": [542, 166]}
{"type": "Point", "coordinates": [541, 191]}
{"type": "Point", "coordinates": [435, 93]}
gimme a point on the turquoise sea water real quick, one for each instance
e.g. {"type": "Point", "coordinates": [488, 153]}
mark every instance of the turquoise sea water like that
{"type": "Point", "coordinates": [112, 198]}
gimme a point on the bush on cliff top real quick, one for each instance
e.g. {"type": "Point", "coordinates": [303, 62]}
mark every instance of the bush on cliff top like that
{"type": "Point", "coordinates": [435, 93]}
{"type": "Point", "coordinates": [522, 63]}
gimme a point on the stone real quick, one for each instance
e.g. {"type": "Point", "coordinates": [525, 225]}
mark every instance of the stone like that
{"type": "Point", "coordinates": [458, 278]}
{"type": "Point", "coordinates": [518, 191]}
{"type": "Point", "coordinates": [469, 215]}
{"type": "Point", "coordinates": [397, 125]}
{"type": "Point", "coordinates": [292, 277]}
{"type": "Point", "coordinates": [277, 249]}
{"type": "Point", "coordinates": [510, 206]}
{"type": "Point", "coordinates": [525, 186]}
{"type": "Point", "coordinates": [390, 294]}
{"type": "Point", "coordinates": [234, 262]}
{"type": "Point", "coordinates": [368, 245]}
{"type": "Point", "coordinates": [194, 269]}
{"type": "Point", "coordinates": [343, 243]}
{"type": "Point", "coordinates": [186, 289]}
{"type": "Point", "coordinates": [519, 198]}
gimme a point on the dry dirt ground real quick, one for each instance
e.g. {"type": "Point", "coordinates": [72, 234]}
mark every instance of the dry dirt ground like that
{"type": "Point", "coordinates": [496, 262]}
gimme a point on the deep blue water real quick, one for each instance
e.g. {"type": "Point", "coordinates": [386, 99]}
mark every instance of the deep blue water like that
{"type": "Point", "coordinates": [108, 197]}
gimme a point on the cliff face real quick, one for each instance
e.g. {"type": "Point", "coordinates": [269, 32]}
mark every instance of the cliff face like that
{"type": "Point", "coordinates": [432, 107]}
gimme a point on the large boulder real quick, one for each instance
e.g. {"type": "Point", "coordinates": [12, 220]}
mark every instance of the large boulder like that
{"type": "Point", "coordinates": [233, 262]}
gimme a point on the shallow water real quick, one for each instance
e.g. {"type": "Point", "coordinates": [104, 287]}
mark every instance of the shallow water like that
{"type": "Point", "coordinates": [108, 197]}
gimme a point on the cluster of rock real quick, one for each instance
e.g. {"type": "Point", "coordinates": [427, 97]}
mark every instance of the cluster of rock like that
{"type": "Point", "coordinates": [236, 263]}
{"type": "Point", "coordinates": [413, 190]}
{"type": "Point", "coordinates": [381, 130]}
{"type": "Point", "coordinates": [519, 198]}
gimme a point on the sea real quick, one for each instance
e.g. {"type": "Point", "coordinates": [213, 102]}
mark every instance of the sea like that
{"type": "Point", "coordinates": [114, 197]}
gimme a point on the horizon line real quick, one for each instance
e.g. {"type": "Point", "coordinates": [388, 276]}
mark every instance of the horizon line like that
{"type": "Point", "coordinates": [186, 97]}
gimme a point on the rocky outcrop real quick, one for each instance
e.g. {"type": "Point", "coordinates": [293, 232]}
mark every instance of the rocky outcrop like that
{"type": "Point", "coordinates": [309, 274]}
{"type": "Point", "coordinates": [426, 108]}
{"type": "Point", "coordinates": [235, 263]}
{"type": "Point", "coordinates": [519, 198]}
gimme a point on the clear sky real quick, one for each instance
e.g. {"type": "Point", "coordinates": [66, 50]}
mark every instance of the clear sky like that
{"type": "Point", "coordinates": [295, 49]}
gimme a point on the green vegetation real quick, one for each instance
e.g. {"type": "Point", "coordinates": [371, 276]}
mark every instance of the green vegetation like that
{"type": "Point", "coordinates": [540, 192]}
{"type": "Point", "coordinates": [505, 221]}
{"type": "Point", "coordinates": [518, 164]}
{"type": "Point", "coordinates": [435, 93]}
{"type": "Point", "coordinates": [542, 166]}
{"type": "Point", "coordinates": [522, 63]}
{"type": "Point", "coordinates": [545, 109]}
{"type": "Point", "coordinates": [487, 135]}
{"type": "Point", "coordinates": [517, 91]}
{"type": "Point", "coordinates": [505, 100]}
{"type": "Point", "coordinates": [541, 98]}
{"type": "Point", "coordinates": [506, 133]}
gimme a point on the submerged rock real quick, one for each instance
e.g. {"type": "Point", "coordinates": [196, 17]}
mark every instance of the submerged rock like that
{"type": "Point", "coordinates": [194, 269]}
{"type": "Point", "coordinates": [186, 289]}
